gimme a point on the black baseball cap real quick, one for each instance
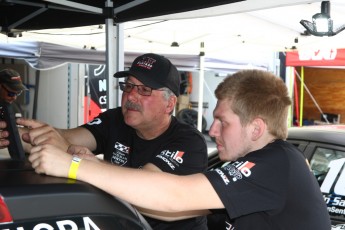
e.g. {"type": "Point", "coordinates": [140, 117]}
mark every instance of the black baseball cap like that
{"type": "Point", "coordinates": [154, 71]}
{"type": "Point", "coordinates": [12, 80]}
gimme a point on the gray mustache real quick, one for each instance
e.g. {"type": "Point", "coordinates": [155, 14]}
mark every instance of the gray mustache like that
{"type": "Point", "coordinates": [131, 105]}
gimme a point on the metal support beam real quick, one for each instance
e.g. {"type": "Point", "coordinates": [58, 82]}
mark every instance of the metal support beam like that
{"type": "Point", "coordinates": [201, 86]}
{"type": "Point", "coordinates": [114, 58]}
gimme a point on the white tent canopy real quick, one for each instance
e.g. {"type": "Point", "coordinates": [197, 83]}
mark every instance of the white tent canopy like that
{"type": "Point", "coordinates": [44, 56]}
{"type": "Point", "coordinates": [239, 34]}
{"type": "Point", "coordinates": [232, 31]}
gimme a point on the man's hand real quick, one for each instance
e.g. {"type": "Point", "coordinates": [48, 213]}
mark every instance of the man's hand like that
{"type": "Point", "coordinates": [50, 160]}
{"type": "Point", "coordinates": [53, 161]}
{"type": "Point", "coordinates": [4, 142]}
{"type": "Point", "coordinates": [82, 152]}
{"type": "Point", "coordinates": [39, 133]}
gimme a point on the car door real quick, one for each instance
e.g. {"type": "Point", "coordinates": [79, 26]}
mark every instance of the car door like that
{"type": "Point", "coordinates": [327, 164]}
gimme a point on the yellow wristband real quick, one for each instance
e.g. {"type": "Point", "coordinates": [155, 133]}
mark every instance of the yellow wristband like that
{"type": "Point", "coordinates": [73, 169]}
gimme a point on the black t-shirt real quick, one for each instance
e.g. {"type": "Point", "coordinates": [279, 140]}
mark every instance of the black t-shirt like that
{"type": "Point", "coordinates": [180, 150]}
{"type": "Point", "coordinates": [271, 188]}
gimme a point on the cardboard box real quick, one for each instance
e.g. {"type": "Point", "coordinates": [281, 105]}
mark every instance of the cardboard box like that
{"type": "Point", "coordinates": [182, 102]}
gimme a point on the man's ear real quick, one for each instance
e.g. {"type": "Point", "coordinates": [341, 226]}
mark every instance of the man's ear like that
{"type": "Point", "coordinates": [258, 128]}
{"type": "Point", "coordinates": [171, 103]}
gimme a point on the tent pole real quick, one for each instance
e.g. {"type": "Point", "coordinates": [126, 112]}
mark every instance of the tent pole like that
{"type": "Point", "coordinates": [110, 57]}
{"type": "Point", "coordinates": [302, 97]}
{"type": "Point", "coordinates": [37, 86]}
{"type": "Point", "coordinates": [296, 99]}
{"type": "Point", "coordinates": [113, 54]}
{"type": "Point", "coordinates": [289, 81]}
{"type": "Point", "coordinates": [201, 87]}
{"type": "Point", "coordinates": [120, 60]}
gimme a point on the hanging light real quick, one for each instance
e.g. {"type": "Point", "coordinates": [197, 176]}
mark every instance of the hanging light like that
{"type": "Point", "coordinates": [202, 49]}
{"type": "Point", "coordinates": [322, 24]}
{"type": "Point", "coordinates": [174, 44]}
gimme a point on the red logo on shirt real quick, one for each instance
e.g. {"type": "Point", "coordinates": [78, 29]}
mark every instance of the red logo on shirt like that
{"type": "Point", "coordinates": [245, 167]}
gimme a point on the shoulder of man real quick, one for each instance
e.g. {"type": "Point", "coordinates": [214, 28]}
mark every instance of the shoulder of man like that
{"type": "Point", "coordinates": [184, 128]}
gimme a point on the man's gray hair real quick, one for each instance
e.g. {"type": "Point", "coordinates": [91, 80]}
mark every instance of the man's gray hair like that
{"type": "Point", "coordinates": [167, 93]}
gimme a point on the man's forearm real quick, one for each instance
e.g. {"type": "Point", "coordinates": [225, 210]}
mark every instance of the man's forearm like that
{"type": "Point", "coordinates": [172, 216]}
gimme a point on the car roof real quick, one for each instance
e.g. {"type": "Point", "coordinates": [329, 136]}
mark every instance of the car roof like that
{"type": "Point", "coordinates": [53, 196]}
{"type": "Point", "coordinates": [321, 133]}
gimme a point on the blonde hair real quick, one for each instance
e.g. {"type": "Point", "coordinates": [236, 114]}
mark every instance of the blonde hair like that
{"type": "Point", "coordinates": [257, 94]}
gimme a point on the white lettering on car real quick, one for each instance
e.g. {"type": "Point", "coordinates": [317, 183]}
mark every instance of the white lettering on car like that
{"type": "Point", "coordinates": [335, 168]}
{"type": "Point", "coordinates": [64, 225]}
{"type": "Point", "coordinates": [89, 223]}
{"type": "Point", "coordinates": [338, 227]}
{"type": "Point", "coordinates": [43, 226]}
{"type": "Point", "coordinates": [338, 201]}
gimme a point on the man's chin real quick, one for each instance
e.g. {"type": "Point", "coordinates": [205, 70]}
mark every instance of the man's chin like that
{"type": "Point", "coordinates": [130, 120]}
{"type": "Point", "coordinates": [224, 157]}
{"type": "Point", "coordinates": [221, 156]}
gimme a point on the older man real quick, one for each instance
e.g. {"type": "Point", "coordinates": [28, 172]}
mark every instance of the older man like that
{"type": "Point", "coordinates": [141, 134]}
